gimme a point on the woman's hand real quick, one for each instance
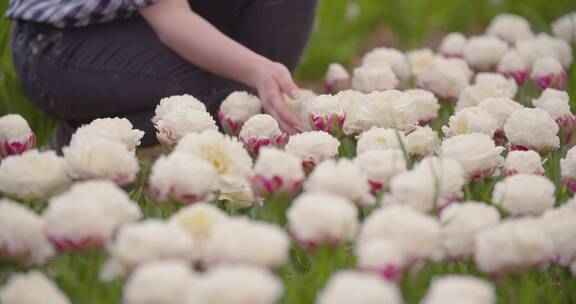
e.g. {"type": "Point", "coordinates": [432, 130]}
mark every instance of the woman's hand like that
{"type": "Point", "coordinates": [273, 80]}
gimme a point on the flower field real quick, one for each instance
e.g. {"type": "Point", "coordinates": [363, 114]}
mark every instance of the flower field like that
{"type": "Point", "coordinates": [427, 176]}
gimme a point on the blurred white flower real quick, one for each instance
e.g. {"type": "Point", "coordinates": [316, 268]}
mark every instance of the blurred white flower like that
{"type": "Point", "coordinates": [118, 129]}
{"type": "Point", "coordinates": [184, 177]}
{"type": "Point", "coordinates": [498, 81]}
{"type": "Point", "coordinates": [548, 73]}
{"type": "Point", "coordinates": [336, 78]}
{"type": "Point", "coordinates": [226, 154]}
{"type": "Point", "coordinates": [239, 284]}
{"type": "Point", "coordinates": [420, 59]}
{"type": "Point", "coordinates": [471, 120]}
{"type": "Point", "coordinates": [512, 64]}
{"type": "Point", "coordinates": [32, 287]}
{"type": "Point", "coordinates": [87, 215]}
{"type": "Point", "coordinates": [236, 109]}
{"type": "Point", "coordinates": [548, 94]}
{"type": "Point", "coordinates": [545, 46]}
{"type": "Point", "coordinates": [15, 135]}
{"type": "Point", "coordinates": [100, 158]}
{"type": "Point", "coordinates": [509, 27]}
{"type": "Point", "coordinates": [445, 77]}
{"type": "Point", "coordinates": [33, 175]}
{"type": "Point", "coordinates": [415, 233]}
{"type": "Point", "coordinates": [261, 130]}
{"type": "Point", "coordinates": [484, 52]}
{"type": "Point", "coordinates": [568, 169]}
{"type": "Point", "coordinates": [473, 95]}
{"type": "Point", "coordinates": [316, 219]}
{"type": "Point", "coordinates": [277, 172]}
{"type": "Point", "coordinates": [387, 109]}
{"type": "Point", "coordinates": [312, 147]}
{"type": "Point", "coordinates": [341, 177]}
{"type": "Point", "coordinates": [354, 104]}
{"type": "Point", "coordinates": [348, 286]}
{"type": "Point", "coordinates": [22, 237]}
{"type": "Point", "coordinates": [382, 257]}
{"type": "Point", "coordinates": [427, 105]}
{"type": "Point", "coordinates": [560, 226]}
{"type": "Point", "coordinates": [512, 245]}
{"type": "Point", "coordinates": [166, 282]}
{"type": "Point", "coordinates": [176, 102]}
{"type": "Point", "coordinates": [501, 108]}
{"type": "Point", "coordinates": [381, 166]}
{"type": "Point", "coordinates": [565, 27]}
{"type": "Point", "coordinates": [296, 107]}
{"type": "Point", "coordinates": [523, 162]}
{"type": "Point", "coordinates": [452, 289]}
{"type": "Point", "coordinates": [380, 139]}
{"type": "Point", "coordinates": [453, 45]}
{"type": "Point", "coordinates": [326, 113]}
{"type": "Point", "coordinates": [522, 135]}
{"type": "Point", "coordinates": [371, 77]}
{"type": "Point", "coordinates": [175, 124]}
{"type": "Point", "coordinates": [422, 142]}
{"type": "Point", "coordinates": [139, 243]}
{"type": "Point", "coordinates": [243, 241]}
{"type": "Point", "coordinates": [476, 153]}
{"type": "Point", "coordinates": [396, 59]}
{"type": "Point", "coordinates": [460, 225]}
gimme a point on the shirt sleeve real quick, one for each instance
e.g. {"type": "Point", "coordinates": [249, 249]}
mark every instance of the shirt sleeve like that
{"type": "Point", "coordinates": [142, 3]}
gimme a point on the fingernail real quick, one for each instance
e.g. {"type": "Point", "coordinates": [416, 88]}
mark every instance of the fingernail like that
{"type": "Point", "coordinates": [295, 93]}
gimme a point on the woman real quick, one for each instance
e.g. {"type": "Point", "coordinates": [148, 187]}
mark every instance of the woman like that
{"type": "Point", "coordinates": [83, 59]}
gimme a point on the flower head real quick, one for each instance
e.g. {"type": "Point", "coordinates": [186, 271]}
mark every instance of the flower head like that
{"type": "Point", "coordinates": [177, 123]}
{"type": "Point", "coordinates": [382, 257]}
{"type": "Point", "coordinates": [312, 147]}
{"type": "Point", "coordinates": [118, 129]}
{"type": "Point", "coordinates": [453, 45]}
{"type": "Point", "coordinates": [420, 59]}
{"type": "Point", "coordinates": [512, 64]}
{"type": "Point", "coordinates": [511, 28]}
{"type": "Point", "coordinates": [15, 135]}
{"type": "Point", "coordinates": [522, 135]}
{"type": "Point", "coordinates": [236, 109]}
{"type": "Point", "coordinates": [476, 153]}
{"type": "Point", "coordinates": [422, 142]}
{"type": "Point", "coordinates": [565, 27]}
{"type": "Point", "coordinates": [471, 120]}
{"type": "Point", "coordinates": [427, 105]}
{"type": "Point", "coordinates": [484, 52]}
{"type": "Point", "coordinates": [380, 139]}
{"type": "Point", "coordinates": [18, 290]}
{"type": "Point", "coordinates": [381, 166]}
{"type": "Point", "coordinates": [349, 286]}
{"type": "Point", "coordinates": [261, 130]}
{"type": "Point", "coordinates": [374, 77]}
{"type": "Point", "coordinates": [459, 289]}
{"type": "Point", "coordinates": [277, 172]}
{"type": "Point", "coordinates": [548, 73]}
{"type": "Point", "coordinates": [396, 59]}
{"type": "Point", "coordinates": [445, 77]}
{"type": "Point", "coordinates": [523, 162]}
{"type": "Point", "coordinates": [336, 79]}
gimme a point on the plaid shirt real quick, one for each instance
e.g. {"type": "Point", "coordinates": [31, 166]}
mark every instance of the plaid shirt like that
{"type": "Point", "coordinates": [73, 13]}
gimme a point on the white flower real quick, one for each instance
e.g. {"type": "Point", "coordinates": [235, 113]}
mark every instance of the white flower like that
{"type": "Point", "coordinates": [379, 139]}
{"type": "Point", "coordinates": [557, 108]}
{"type": "Point", "coordinates": [349, 286]}
{"type": "Point", "coordinates": [523, 162]}
{"type": "Point", "coordinates": [118, 129]}
{"type": "Point", "coordinates": [427, 105]}
{"type": "Point", "coordinates": [343, 178]}
{"type": "Point", "coordinates": [512, 64]}
{"type": "Point", "coordinates": [421, 142]}
{"type": "Point", "coordinates": [167, 282]}
{"type": "Point", "coordinates": [353, 103]}
{"type": "Point", "coordinates": [511, 28]}
{"type": "Point", "coordinates": [144, 242]}
{"type": "Point", "coordinates": [461, 223]}
{"type": "Point", "coordinates": [33, 175]}
{"type": "Point", "coordinates": [240, 284]}
{"type": "Point", "coordinates": [473, 95]}
{"type": "Point", "coordinates": [453, 45]}
{"type": "Point", "coordinates": [239, 106]}
{"type": "Point", "coordinates": [471, 120]}
{"type": "Point", "coordinates": [565, 27]}
{"type": "Point", "coordinates": [97, 158]}
{"type": "Point", "coordinates": [484, 52]}
{"type": "Point", "coordinates": [498, 81]}
{"type": "Point", "coordinates": [550, 93]}
{"type": "Point", "coordinates": [545, 46]}
{"type": "Point", "coordinates": [420, 59]}
{"type": "Point", "coordinates": [381, 256]}
{"type": "Point", "coordinates": [381, 166]}
{"type": "Point", "coordinates": [336, 78]}
{"type": "Point", "coordinates": [277, 171]}
{"type": "Point", "coordinates": [14, 127]}
{"type": "Point", "coordinates": [176, 123]}
{"type": "Point", "coordinates": [513, 244]}
{"type": "Point", "coordinates": [387, 109]}
{"type": "Point", "coordinates": [560, 226]}
{"type": "Point", "coordinates": [396, 59]}
{"type": "Point", "coordinates": [260, 126]}
{"type": "Point", "coordinates": [568, 165]}
{"type": "Point", "coordinates": [452, 289]}
{"type": "Point", "coordinates": [501, 108]}
{"type": "Point", "coordinates": [445, 77]}
{"type": "Point", "coordinates": [313, 146]}
{"type": "Point", "coordinates": [243, 241]}
{"type": "Point", "coordinates": [87, 215]}
{"type": "Point", "coordinates": [22, 236]}
{"type": "Point", "coordinates": [562, 49]}
{"type": "Point", "coordinates": [32, 287]}
{"type": "Point", "coordinates": [521, 131]}
{"type": "Point", "coordinates": [175, 103]}
{"type": "Point", "coordinates": [524, 194]}
{"type": "Point", "coordinates": [374, 77]}
{"type": "Point", "coordinates": [296, 107]}
{"type": "Point", "coordinates": [325, 105]}
{"type": "Point", "coordinates": [476, 153]}
{"type": "Point", "coordinates": [226, 154]}
{"type": "Point", "coordinates": [416, 234]}
{"type": "Point", "coordinates": [548, 72]}
{"type": "Point", "coordinates": [316, 219]}
{"type": "Point", "coordinates": [184, 177]}
{"type": "Point", "coordinates": [199, 221]}
{"type": "Point", "coordinates": [242, 197]}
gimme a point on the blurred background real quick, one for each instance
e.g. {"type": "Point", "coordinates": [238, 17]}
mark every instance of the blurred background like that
{"type": "Point", "coordinates": [344, 30]}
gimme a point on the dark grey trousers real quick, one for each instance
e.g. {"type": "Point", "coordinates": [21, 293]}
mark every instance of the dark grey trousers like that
{"type": "Point", "coordinates": [122, 69]}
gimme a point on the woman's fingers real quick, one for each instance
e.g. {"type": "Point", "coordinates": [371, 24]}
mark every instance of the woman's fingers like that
{"type": "Point", "coordinates": [287, 84]}
{"type": "Point", "coordinates": [270, 109]}
{"type": "Point", "coordinates": [282, 109]}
